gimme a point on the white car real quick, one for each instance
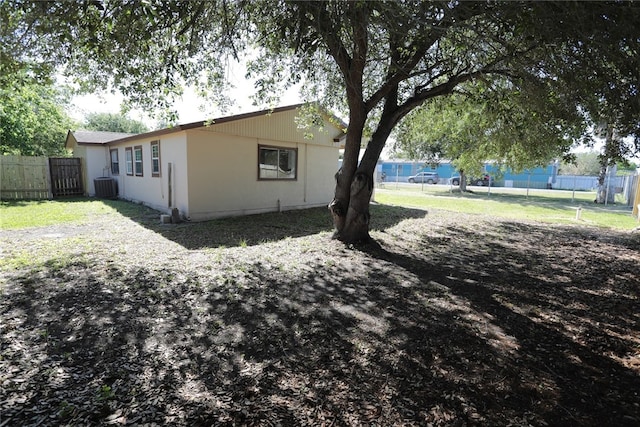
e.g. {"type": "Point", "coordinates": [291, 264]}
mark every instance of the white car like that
{"type": "Point", "coordinates": [428, 177]}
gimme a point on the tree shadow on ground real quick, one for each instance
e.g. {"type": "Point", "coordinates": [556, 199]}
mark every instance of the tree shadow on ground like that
{"type": "Point", "coordinates": [515, 326]}
{"type": "Point", "coordinates": [566, 322]}
{"type": "Point", "coordinates": [253, 229]}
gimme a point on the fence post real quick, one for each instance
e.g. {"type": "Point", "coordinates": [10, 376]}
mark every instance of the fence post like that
{"type": "Point", "coordinates": [636, 200]}
{"type": "Point", "coordinates": [48, 173]}
{"type": "Point", "coordinates": [607, 182]}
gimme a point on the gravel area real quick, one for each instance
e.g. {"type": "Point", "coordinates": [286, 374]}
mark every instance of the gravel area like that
{"type": "Point", "coordinates": [445, 320]}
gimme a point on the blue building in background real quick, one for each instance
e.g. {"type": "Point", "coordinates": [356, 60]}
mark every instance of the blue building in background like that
{"type": "Point", "coordinates": [401, 170]}
{"type": "Point", "coordinates": [540, 177]}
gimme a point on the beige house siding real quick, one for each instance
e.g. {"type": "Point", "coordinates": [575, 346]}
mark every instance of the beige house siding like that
{"type": "Point", "coordinates": [151, 190]}
{"type": "Point", "coordinates": [320, 179]}
{"type": "Point", "coordinates": [94, 156]}
{"type": "Point", "coordinates": [173, 150]}
{"type": "Point", "coordinates": [214, 167]}
{"type": "Point", "coordinates": [277, 127]}
{"type": "Point", "coordinates": [223, 177]}
{"type": "Point", "coordinates": [95, 164]}
{"type": "Point", "coordinates": [223, 167]}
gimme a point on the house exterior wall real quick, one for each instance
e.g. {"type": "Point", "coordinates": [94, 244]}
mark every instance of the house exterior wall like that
{"type": "Point", "coordinates": [95, 164]}
{"type": "Point", "coordinates": [173, 150]}
{"type": "Point", "coordinates": [151, 190]}
{"type": "Point", "coordinates": [322, 164]}
{"type": "Point", "coordinates": [214, 168]}
{"type": "Point", "coordinates": [277, 127]}
{"type": "Point", "coordinates": [223, 176]}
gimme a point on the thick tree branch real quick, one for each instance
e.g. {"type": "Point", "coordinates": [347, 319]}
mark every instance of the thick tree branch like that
{"type": "Point", "coordinates": [399, 71]}
{"type": "Point", "coordinates": [194, 17]}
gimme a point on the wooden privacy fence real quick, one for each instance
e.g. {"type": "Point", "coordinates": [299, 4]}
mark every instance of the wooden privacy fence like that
{"type": "Point", "coordinates": [66, 176]}
{"type": "Point", "coordinates": [23, 177]}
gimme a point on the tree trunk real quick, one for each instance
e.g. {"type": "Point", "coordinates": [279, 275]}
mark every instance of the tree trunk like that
{"type": "Point", "coordinates": [340, 207]}
{"type": "Point", "coordinates": [601, 191]}
{"type": "Point", "coordinates": [606, 192]}
{"type": "Point", "coordinates": [606, 165]}
{"type": "Point", "coordinates": [350, 205]}
{"type": "Point", "coordinates": [356, 222]}
{"type": "Point", "coordinates": [463, 181]}
{"type": "Point", "coordinates": [351, 214]}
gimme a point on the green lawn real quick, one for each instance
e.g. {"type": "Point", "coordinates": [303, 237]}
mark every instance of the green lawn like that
{"type": "Point", "coordinates": [26, 214]}
{"type": "Point", "coordinates": [552, 206]}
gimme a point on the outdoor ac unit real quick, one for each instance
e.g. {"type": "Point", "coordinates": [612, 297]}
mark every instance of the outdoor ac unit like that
{"type": "Point", "coordinates": [106, 188]}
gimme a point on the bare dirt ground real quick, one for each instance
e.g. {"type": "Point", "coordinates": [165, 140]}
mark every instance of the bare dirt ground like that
{"type": "Point", "coordinates": [448, 320]}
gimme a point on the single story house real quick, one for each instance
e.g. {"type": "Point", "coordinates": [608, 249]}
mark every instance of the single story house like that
{"type": "Point", "coordinates": [243, 164]}
{"type": "Point", "coordinates": [89, 146]}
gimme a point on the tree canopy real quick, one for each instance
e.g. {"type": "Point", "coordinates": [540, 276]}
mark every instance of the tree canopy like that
{"type": "Point", "coordinates": [33, 121]}
{"type": "Point", "coordinates": [576, 90]}
{"type": "Point", "coordinates": [376, 61]}
{"type": "Point", "coordinates": [582, 164]}
{"type": "Point", "coordinates": [384, 59]}
{"type": "Point", "coordinates": [516, 128]}
{"type": "Point", "coordinates": [146, 50]}
{"type": "Point", "coordinates": [112, 122]}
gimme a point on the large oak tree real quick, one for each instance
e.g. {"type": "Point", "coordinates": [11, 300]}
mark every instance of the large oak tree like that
{"type": "Point", "coordinates": [392, 57]}
{"type": "Point", "coordinates": [378, 60]}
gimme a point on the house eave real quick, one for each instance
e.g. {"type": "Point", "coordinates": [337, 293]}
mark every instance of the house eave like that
{"type": "Point", "coordinates": [216, 121]}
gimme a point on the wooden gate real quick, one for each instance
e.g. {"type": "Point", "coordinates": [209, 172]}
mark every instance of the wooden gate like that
{"type": "Point", "coordinates": [66, 176]}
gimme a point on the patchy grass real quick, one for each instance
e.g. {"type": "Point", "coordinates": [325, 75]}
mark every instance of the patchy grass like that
{"type": "Point", "coordinates": [26, 214]}
{"type": "Point", "coordinates": [449, 319]}
{"type": "Point", "coordinates": [547, 206]}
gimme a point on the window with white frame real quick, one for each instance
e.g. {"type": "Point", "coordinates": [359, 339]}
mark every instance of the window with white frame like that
{"type": "Point", "coordinates": [277, 162]}
{"type": "Point", "coordinates": [137, 158]}
{"type": "Point", "coordinates": [128, 160]}
{"type": "Point", "coordinates": [155, 158]}
{"type": "Point", "coordinates": [115, 164]}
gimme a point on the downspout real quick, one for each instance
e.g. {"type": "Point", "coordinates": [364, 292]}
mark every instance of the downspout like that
{"type": "Point", "coordinates": [107, 168]}
{"type": "Point", "coordinates": [306, 167]}
{"type": "Point", "coordinates": [169, 185]}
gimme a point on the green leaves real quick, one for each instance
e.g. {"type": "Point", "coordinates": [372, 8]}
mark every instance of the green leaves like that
{"type": "Point", "coordinates": [517, 127]}
{"type": "Point", "coordinates": [33, 121]}
{"type": "Point", "coordinates": [363, 57]}
{"type": "Point", "coordinates": [146, 50]}
{"type": "Point", "coordinates": [113, 123]}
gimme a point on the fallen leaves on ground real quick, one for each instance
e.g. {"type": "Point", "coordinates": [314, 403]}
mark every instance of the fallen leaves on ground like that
{"type": "Point", "coordinates": [446, 320]}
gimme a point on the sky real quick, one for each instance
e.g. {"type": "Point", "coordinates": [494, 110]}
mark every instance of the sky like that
{"type": "Point", "coordinates": [188, 107]}
{"type": "Point", "coordinates": [189, 111]}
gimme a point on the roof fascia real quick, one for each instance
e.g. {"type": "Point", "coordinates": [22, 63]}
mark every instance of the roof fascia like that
{"type": "Point", "coordinates": [334, 120]}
